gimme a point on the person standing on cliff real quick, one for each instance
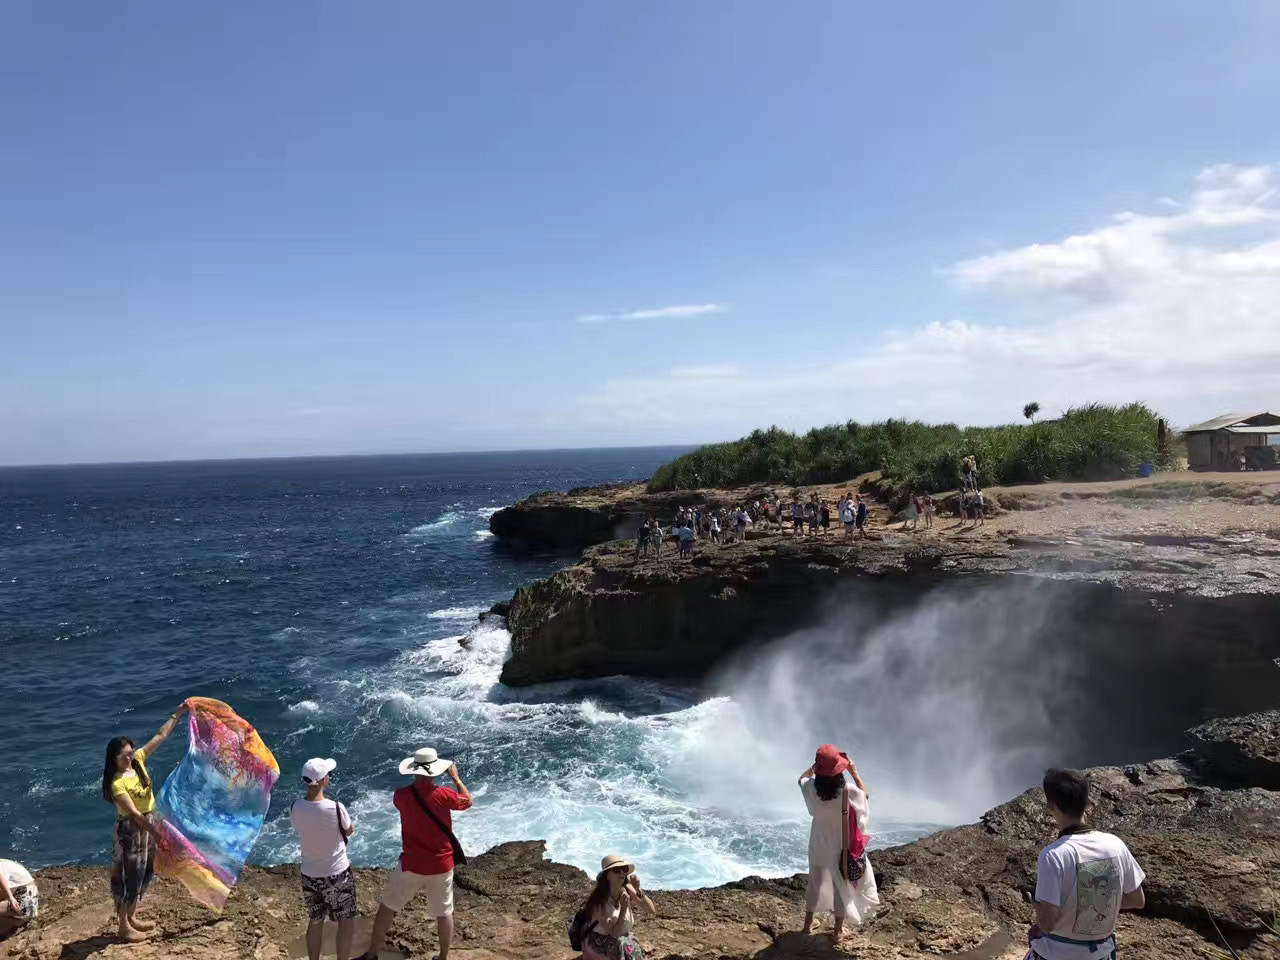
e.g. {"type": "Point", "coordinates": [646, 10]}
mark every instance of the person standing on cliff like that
{"type": "Point", "coordinates": [687, 537]}
{"type": "Point", "coordinates": [328, 885]}
{"type": "Point", "coordinates": [1083, 880]}
{"type": "Point", "coordinates": [127, 785]}
{"type": "Point", "coordinates": [845, 511]}
{"type": "Point", "coordinates": [655, 534]}
{"type": "Point", "coordinates": [840, 876]}
{"type": "Point", "coordinates": [642, 539]}
{"type": "Point", "coordinates": [860, 516]}
{"type": "Point", "coordinates": [430, 849]}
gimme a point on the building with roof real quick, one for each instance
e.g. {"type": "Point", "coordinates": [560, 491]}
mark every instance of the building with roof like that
{"type": "Point", "coordinates": [1218, 444]}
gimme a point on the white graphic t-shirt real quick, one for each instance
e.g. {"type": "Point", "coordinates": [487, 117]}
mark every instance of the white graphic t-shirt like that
{"type": "Point", "coordinates": [1084, 875]}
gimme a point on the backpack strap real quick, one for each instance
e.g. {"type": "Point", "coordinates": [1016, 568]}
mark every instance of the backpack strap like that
{"type": "Point", "coordinates": [845, 839]}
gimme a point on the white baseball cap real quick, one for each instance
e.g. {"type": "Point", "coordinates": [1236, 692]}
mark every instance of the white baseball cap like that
{"type": "Point", "coordinates": [316, 769]}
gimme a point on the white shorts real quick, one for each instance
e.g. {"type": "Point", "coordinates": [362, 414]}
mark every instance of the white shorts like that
{"type": "Point", "coordinates": [404, 886]}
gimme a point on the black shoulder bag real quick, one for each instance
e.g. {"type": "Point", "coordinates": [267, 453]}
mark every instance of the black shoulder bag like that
{"type": "Point", "coordinates": [459, 858]}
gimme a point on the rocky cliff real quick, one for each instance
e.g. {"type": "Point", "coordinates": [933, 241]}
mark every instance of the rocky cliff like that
{"type": "Point", "coordinates": [590, 515]}
{"type": "Point", "coordinates": [1214, 601]}
{"type": "Point", "coordinates": [572, 520]}
{"type": "Point", "coordinates": [1205, 825]}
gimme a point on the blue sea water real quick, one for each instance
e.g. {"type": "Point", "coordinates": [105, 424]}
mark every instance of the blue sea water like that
{"type": "Point", "coordinates": [324, 599]}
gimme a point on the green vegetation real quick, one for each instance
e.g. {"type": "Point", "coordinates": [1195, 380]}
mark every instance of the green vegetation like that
{"type": "Point", "coordinates": [1094, 442]}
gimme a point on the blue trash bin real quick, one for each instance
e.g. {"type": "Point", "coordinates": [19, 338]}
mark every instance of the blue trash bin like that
{"type": "Point", "coordinates": [1144, 470]}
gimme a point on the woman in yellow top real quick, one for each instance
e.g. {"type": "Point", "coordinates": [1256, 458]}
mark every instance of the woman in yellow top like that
{"type": "Point", "coordinates": [126, 783]}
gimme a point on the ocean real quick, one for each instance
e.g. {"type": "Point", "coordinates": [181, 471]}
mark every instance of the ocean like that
{"type": "Point", "coordinates": [324, 599]}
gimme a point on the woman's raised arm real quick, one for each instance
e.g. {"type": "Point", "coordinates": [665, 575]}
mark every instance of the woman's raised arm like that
{"type": "Point", "coordinates": [163, 733]}
{"type": "Point", "coordinates": [857, 780]}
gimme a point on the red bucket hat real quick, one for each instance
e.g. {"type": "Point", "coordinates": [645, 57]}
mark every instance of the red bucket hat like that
{"type": "Point", "coordinates": [829, 761]}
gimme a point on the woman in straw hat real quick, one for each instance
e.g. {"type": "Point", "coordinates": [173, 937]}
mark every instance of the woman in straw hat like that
{"type": "Point", "coordinates": [833, 803]}
{"type": "Point", "coordinates": [609, 914]}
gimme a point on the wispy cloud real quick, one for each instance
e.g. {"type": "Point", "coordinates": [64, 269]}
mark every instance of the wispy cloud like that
{"type": "Point", "coordinates": [1177, 308]}
{"type": "Point", "coordinates": [709, 371]}
{"type": "Point", "coordinates": [680, 311]}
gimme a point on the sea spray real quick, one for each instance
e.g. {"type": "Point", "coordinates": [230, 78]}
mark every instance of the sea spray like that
{"type": "Point", "coordinates": [947, 705]}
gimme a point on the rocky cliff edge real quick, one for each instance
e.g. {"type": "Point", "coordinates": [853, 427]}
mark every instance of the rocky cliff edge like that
{"type": "Point", "coordinates": [1205, 825]}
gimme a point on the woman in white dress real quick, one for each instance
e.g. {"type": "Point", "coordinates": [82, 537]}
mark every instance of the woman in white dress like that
{"type": "Point", "coordinates": [823, 786]}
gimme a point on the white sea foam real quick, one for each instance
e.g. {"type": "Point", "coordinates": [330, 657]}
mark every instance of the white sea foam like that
{"type": "Point", "coordinates": [699, 790]}
{"type": "Point", "coordinates": [304, 706]}
{"type": "Point", "coordinates": [443, 522]}
{"type": "Point", "coordinates": [563, 763]}
{"type": "Point", "coordinates": [457, 613]}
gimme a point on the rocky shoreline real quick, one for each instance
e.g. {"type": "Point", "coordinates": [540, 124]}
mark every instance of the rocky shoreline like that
{"type": "Point", "coordinates": [1204, 824]}
{"type": "Point", "coordinates": [1173, 610]}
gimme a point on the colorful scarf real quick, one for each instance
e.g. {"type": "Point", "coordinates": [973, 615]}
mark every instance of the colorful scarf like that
{"type": "Point", "coordinates": [214, 802]}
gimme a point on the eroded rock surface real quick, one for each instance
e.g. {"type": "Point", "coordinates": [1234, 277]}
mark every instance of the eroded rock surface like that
{"type": "Point", "coordinates": [610, 613]}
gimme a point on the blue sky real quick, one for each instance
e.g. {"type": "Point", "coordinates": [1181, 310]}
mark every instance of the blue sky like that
{"type": "Point", "coordinates": [315, 227]}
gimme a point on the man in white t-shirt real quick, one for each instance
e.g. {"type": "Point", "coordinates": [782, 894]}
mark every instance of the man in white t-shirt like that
{"type": "Point", "coordinates": [1083, 880]}
{"type": "Point", "coordinates": [328, 886]}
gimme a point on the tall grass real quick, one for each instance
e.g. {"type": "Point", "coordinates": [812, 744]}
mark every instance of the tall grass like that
{"type": "Point", "coordinates": [1093, 442]}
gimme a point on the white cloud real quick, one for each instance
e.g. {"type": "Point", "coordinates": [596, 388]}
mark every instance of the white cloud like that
{"type": "Point", "coordinates": [1180, 309]}
{"type": "Point", "coordinates": [1135, 246]}
{"type": "Point", "coordinates": [678, 312]}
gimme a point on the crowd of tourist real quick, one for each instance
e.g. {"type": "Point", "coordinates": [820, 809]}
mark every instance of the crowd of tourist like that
{"type": "Point", "coordinates": [721, 525]}
{"type": "Point", "coordinates": [1084, 877]}
{"type": "Point", "coordinates": [810, 516]}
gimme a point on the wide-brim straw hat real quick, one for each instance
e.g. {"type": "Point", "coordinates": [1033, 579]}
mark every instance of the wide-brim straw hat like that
{"type": "Point", "coordinates": [424, 763]}
{"type": "Point", "coordinates": [612, 862]}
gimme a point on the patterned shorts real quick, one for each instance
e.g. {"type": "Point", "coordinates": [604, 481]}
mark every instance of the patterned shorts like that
{"type": "Point", "coordinates": [599, 946]}
{"type": "Point", "coordinates": [28, 898]}
{"type": "Point", "coordinates": [133, 861]}
{"type": "Point", "coordinates": [330, 898]}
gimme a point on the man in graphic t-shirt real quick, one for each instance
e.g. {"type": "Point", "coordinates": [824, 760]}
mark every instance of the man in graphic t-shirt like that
{"type": "Point", "coordinates": [328, 886]}
{"type": "Point", "coordinates": [1083, 880]}
{"type": "Point", "coordinates": [426, 835]}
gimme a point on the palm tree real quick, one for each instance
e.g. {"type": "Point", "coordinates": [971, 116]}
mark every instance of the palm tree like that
{"type": "Point", "coordinates": [1030, 411]}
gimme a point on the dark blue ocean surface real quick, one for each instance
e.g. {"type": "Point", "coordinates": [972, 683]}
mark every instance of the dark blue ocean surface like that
{"type": "Point", "coordinates": [323, 599]}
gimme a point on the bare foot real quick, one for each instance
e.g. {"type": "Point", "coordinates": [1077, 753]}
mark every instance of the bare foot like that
{"type": "Point", "coordinates": [130, 935]}
{"type": "Point", "coordinates": [143, 925]}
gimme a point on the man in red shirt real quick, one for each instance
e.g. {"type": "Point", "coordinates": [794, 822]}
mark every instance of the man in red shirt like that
{"type": "Point", "coordinates": [426, 836]}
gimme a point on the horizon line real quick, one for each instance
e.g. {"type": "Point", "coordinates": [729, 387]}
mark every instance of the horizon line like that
{"type": "Point", "coordinates": [342, 456]}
